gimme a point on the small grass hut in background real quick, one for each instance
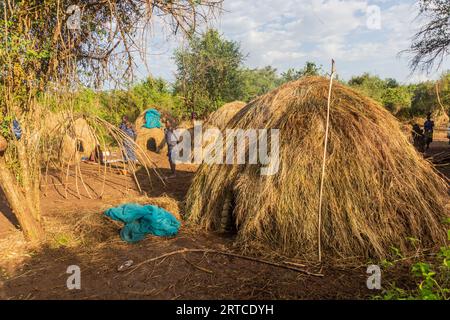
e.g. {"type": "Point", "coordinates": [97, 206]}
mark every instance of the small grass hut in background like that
{"type": "Point", "coordinates": [80, 142]}
{"type": "Point", "coordinates": [378, 191]}
{"type": "Point", "coordinates": [150, 139]}
{"type": "Point", "coordinates": [72, 135]}
{"type": "Point", "coordinates": [224, 114]}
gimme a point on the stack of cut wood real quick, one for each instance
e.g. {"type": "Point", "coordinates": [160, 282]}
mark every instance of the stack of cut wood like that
{"type": "Point", "coordinates": [441, 157]}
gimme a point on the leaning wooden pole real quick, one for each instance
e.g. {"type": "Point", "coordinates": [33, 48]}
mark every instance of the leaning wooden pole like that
{"type": "Point", "coordinates": [322, 178]}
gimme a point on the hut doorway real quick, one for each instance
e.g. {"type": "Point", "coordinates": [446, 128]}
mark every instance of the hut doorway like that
{"type": "Point", "coordinates": [80, 146]}
{"type": "Point", "coordinates": [152, 145]}
{"type": "Point", "coordinates": [227, 217]}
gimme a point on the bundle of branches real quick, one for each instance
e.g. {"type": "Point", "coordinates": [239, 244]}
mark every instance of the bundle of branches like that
{"type": "Point", "coordinates": [378, 190]}
{"type": "Point", "coordinates": [441, 157]}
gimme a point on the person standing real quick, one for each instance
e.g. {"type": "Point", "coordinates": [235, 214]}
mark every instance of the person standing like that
{"type": "Point", "coordinates": [171, 140]}
{"type": "Point", "coordinates": [128, 144]}
{"type": "Point", "coordinates": [418, 138]}
{"type": "Point", "coordinates": [428, 128]}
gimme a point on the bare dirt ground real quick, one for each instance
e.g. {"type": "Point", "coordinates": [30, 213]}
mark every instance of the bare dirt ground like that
{"type": "Point", "coordinates": [79, 235]}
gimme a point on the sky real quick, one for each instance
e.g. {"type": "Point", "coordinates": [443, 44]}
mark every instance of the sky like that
{"type": "Point", "coordinates": [361, 35]}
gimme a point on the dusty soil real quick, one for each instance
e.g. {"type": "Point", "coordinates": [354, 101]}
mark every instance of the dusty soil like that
{"type": "Point", "coordinates": [40, 272]}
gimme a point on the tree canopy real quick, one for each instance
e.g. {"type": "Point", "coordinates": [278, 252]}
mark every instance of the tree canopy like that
{"type": "Point", "coordinates": [208, 72]}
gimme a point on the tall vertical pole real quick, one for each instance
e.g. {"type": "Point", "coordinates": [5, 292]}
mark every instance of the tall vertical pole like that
{"type": "Point", "coordinates": [327, 129]}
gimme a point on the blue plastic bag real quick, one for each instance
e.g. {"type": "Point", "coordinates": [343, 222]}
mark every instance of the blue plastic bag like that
{"type": "Point", "coordinates": [152, 119]}
{"type": "Point", "coordinates": [17, 130]}
{"type": "Point", "coordinates": [142, 220]}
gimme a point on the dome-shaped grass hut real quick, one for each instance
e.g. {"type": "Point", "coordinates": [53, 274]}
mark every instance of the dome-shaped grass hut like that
{"type": "Point", "coordinates": [81, 141]}
{"type": "Point", "coordinates": [149, 139]}
{"type": "Point", "coordinates": [224, 114]}
{"type": "Point", "coordinates": [378, 190]}
{"type": "Point", "coordinates": [73, 136]}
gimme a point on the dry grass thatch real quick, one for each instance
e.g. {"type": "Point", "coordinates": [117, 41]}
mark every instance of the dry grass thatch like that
{"type": "Point", "coordinates": [149, 139]}
{"type": "Point", "coordinates": [224, 114]}
{"type": "Point", "coordinates": [74, 136]}
{"type": "Point", "coordinates": [93, 227]}
{"type": "Point", "coordinates": [378, 191]}
{"type": "Point", "coordinates": [82, 140]}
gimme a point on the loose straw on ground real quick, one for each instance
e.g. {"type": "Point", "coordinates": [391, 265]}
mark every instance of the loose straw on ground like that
{"type": "Point", "coordinates": [319, 222]}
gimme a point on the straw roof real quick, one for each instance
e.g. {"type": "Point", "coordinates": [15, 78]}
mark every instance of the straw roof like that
{"type": "Point", "coordinates": [378, 190]}
{"type": "Point", "coordinates": [224, 114]}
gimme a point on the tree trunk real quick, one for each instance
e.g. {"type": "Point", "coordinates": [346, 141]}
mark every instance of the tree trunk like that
{"type": "Point", "coordinates": [33, 201]}
{"type": "Point", "coordinates": [30, 226]}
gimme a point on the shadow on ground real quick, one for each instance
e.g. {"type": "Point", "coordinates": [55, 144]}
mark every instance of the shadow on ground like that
{"type": "Point", "coordinates": [175, 188]}
{"type": "Point", "coordinates": [180, 276]}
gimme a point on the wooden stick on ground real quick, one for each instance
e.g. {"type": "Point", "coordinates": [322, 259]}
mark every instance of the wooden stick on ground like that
{"type": "Point", "coordinates": [226, 254]}
{"type": "Point", "coordinates": [198, 267]}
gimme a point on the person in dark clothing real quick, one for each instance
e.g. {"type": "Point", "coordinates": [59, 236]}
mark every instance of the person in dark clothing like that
{"type": "Point", "coordinates": [428, 127]}
{"type": "Point", "coordinates": [128, 145]}
{"type": "Point", "coordinates": [418, 138]}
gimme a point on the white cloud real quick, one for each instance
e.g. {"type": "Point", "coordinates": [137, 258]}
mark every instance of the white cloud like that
{"type": "Point", "coordinates": [286, 33]}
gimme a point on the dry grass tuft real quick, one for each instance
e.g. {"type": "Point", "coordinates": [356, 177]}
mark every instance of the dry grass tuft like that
{"type": "Point", "coordinates": [378, 191]}
{"type": "Point", "coordinates": [70, 228]}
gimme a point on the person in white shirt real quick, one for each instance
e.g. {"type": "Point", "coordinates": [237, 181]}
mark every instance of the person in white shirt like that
{"type": "Point", "coordinates": [171, 140]}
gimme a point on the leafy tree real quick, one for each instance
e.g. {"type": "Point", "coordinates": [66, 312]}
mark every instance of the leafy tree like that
{"type": "Point", "coordinates": [310, 69]}
{"type": "Point", "coordinates": [372, 86]}
{"type": "Point", "coordinates": [151, 92]}
{"type": "Point", "coordinates": [444, 90]}
{"type": "Point", "coordinates": [260, 81]}
{"type": "Point", "coordinates": [391, 83]}
{"type": "Point", "coordinates": [208, 72]}
{"type": "Point", "coordinates": [388, 92]}
{"type": "Point", "coordinates": [424, 98]}
{"type": "Point", "coordinates": [397, 98]}
{"type": "Point", "coordinates": [257, 82]}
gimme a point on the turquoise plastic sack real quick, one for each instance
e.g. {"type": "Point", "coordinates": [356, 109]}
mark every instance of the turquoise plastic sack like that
{"type": "Point", "coordinates": [142, 220]}
{"type": "Point", "coordinates": [152, 119]}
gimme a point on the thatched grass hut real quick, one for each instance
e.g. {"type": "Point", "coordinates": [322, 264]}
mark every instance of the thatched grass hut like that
{"type": "Point", "coordinates": [73, 136]}
{"type": "Point", "coordinates": [80, 141]}
{"type": "Point", "coordinates": [224, 114]}
{"type": "Point", "coordinates": [149, 139]}
{"type": "Point", "coordinates": [378, 191]}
